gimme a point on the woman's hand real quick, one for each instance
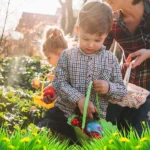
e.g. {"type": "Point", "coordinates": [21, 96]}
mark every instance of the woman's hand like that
{"type": "Point", "coordinates": [141, 55]}
{"type": "Point", "coordinates": [101, 86]}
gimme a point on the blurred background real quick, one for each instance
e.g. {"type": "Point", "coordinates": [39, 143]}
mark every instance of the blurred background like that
{"type": "Point", "coordinates": [23, 22]}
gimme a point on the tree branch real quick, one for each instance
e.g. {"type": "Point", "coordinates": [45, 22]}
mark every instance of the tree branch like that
{"type": "Point", "coordinates": [61, 3]}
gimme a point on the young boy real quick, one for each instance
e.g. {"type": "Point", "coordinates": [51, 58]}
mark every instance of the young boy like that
{"type": "Point", "coordinates": [79, 65]}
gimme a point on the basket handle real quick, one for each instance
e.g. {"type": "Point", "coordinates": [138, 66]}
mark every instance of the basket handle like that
{"type": "Point", "coordinates": [86, 104]}
{"type": "Point", "coordinates": [42, 88]}
{"type": "Point", "coordinates": [127, 75]}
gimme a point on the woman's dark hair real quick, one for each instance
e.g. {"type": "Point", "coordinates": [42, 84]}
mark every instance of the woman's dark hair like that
{"type": "Point", "coordinates": [136, 2]}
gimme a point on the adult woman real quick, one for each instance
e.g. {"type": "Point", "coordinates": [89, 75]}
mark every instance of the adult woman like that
{"type": "Point", "coordinates": [131, 29]}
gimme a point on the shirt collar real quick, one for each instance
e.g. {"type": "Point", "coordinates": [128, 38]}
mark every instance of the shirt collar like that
{"type": "Point", "coordinates": [147, 6]}
{"type": "Point", "coordinates": [103, 48]}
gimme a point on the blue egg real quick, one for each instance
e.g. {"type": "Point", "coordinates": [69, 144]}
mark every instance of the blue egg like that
{"type": "Point", "coordinates": [94, 127]}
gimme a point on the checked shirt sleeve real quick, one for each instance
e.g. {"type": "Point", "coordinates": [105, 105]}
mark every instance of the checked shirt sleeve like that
{"type": "Point", "coordinates": [61, 81]}
{"type": "Point", "coordinates": [117, 88]}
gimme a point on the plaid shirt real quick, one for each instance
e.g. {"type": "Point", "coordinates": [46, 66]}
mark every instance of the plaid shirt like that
{"type": "Point", "coordinates": [76, 69]}
{"type": "Point", "coordinates": [131, 43]}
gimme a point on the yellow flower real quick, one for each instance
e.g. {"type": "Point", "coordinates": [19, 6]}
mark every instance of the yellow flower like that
{"type": "Point", "coordinates": [105, 147]}
{"type": "Point", "coordinates": [34, 133]}
{"type": "Point", "coordinates": [111, 141]}
{"type": "Point", "coordinates": [6, 139]}
{"type": "Point", "coordinates": [11, 147]}
{"type": "Point", "coordinates": [115, 133]}
{"type": "Point", "coordinates": [16, 127]}
{"type": "Point", "coordinates": [144, 139]}
{"type": "Point", "coordinates": [39, 141]}
{"type": "Point", "coordinates": [124, 139]}
{"type": "Point", "coordinates": [138, 147]}
{"type": "Point", "coordinates": [26, 139]}
{"type": "Point", "coordinates": [143, 122]}
{"type": "Point", "coordinates": [23, 131]}
{"type": "Point", "coordinates": [44, 147]}
{"type": "Point", "coordinates": [24, 118]}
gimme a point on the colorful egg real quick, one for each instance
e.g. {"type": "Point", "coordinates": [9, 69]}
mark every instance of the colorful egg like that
{"type": "Point", "coordinates": [94, 128]}
{"type": "Point", "coordinates": [49, 92]}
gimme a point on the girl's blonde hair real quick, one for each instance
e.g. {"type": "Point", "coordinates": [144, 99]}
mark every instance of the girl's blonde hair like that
{"type": "Point", "coordinates": [54, 40]}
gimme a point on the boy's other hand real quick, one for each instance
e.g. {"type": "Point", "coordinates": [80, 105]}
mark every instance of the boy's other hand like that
{"type": "Point", "coordinates": [91, 108]}
{"type": "Point", "coordinates": [80, 104]}
{"type": "Point", "coordinates": [101, 86]}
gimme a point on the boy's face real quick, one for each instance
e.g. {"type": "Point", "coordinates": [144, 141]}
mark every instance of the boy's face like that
{"type": "Point", "coordinates": [89, 43]}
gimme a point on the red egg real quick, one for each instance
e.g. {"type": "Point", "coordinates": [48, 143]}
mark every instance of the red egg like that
{"type": "Point", "coordinates": [75, 122]}
{"type": "Point", "coordinates": [95, 135]}
{"type": "Point", "coordinates": [49, 92]}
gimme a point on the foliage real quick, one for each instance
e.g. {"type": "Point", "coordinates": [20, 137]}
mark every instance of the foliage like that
{"type": "Point", "coordinates": [30, 139]}
{"type": "Point", "coordinates": [16, 95]}
{"type": "Point", "coordinates": [18, 109]}
{"type": "Point", "coordinates": [19, 71]}
{"type": "Point", "coordinates": [18, 114]}
{"type": "Point", "coordinates": [118, 141]}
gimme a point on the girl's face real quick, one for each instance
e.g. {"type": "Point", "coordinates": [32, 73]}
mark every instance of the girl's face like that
{"type": "Point", "coordinates": [53, 58]}
{"type": "Point", "coordinates": [115, 4]}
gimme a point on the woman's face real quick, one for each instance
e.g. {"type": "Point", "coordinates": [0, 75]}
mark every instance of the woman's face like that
{"type": "Point", "coordinates": [115, 4]}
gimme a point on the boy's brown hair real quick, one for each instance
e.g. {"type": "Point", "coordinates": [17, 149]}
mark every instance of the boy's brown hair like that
{"type": "Point", "coordinates": [54, 39]}
{"type": "Point", "coordinates": [95, 17]}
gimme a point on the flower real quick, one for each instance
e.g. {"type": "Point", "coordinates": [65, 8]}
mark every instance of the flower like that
{"type": "Point", "coordinates": [144, 139]}
{"type": "Point", "coordinates": [39, 141]}
{"type": "Point", "coordinates": [111, 141]}
{"type": "Point", "coordinates": [143, 122]}
{"type": "Point", "coordinates": [105, 147]}
{"type": "Point", "coordinates": [23, 131]}
{"type": "Point", "coordinates": [138, 147]}
{"type": "Point", "coordinates": [11, 147]}
{"type": "Point", "coordinates": [25, 139]}
{"type": "Point", "coordinates": [115, 133]}
{"type": "Point", "coordinates": [124, 139]}
{"type": "Point", "coordinates": [34, 133]}
{"type": "Point", "coordinates": [6, 139]}
{"type": "Point", "coordinates": [24, 118]}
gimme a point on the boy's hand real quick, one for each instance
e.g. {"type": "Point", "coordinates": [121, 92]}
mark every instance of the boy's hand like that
{"type": "Point", "coordinates": [101, 86]}
{"type": "Point", "coordinates": [35, 83]}
{"type": "Point", "coordinates": [91, 108]}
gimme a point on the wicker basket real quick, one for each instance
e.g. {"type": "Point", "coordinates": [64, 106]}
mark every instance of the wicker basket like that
{"type": "Point", "coordinates": [136, 96]}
